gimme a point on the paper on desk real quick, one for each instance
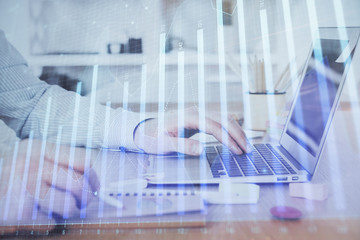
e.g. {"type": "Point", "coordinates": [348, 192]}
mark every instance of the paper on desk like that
{"type": "Point", "coordinates": [148, 202]}
{"type": "Point", "coordinates": [124, 186]}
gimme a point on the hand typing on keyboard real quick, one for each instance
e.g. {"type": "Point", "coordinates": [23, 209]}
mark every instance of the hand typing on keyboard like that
{"type": "Point", "coordinates": [261, 161]}
{"type": "Point", "coordinates": [168, 133]}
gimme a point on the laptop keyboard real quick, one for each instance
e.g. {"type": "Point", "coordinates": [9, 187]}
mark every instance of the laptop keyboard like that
{"type": "Point", "coordinates": [262, 161]}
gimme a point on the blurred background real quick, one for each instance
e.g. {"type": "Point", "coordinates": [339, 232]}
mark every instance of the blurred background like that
{"type": "Point", "coordinates": [63, 39]}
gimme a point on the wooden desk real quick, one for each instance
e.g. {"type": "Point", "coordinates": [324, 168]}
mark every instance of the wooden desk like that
{"type": "Point", "coordinates": [277, 230]}
{"type": "Point", "coordinates": [264, 229]}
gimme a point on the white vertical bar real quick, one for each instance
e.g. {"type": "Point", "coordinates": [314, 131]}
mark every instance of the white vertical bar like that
{"type": "Point", "coordinates": [42, 158]}
{"type": "Point", "coordinates": [11, 181]}
{"type": "Point", "coordinates": [268, 65]}
{"type": "Point", "coordinates": [104, 157]}
{"type": "Point", "coordinates": [161, 107]}
{"type": "Point", "coordinates": [89, 142]}
{"type": "Point", "coordinates": [161, 110]}
{"type": "Point", "coordinates": [291, 54]}
{"type": "Point", "coordinates": [340, 19]}
{"type": "Point", "coordinates": [323, 94]}
{"type": "Point", "coordinates": [266, 50]}
{"type": "Point", "coordinates": [25, 176]}
{"type": "Point", "coordinates": [222, 78]}
{"type": "Point", "coordinates": [181, 122]}
{"type": "Point", "coordinates": [352, 91]}
{"type": "Point", "coordinates": [314, 26]}
{"type": "Point", "coordinates": [124, 133]}
{"type": "Point", "coordinates": [244, 71]}
{"type": "Point", "coordinates": [54, 176]}
{"type": "Point", "coordinates": [181, 87]}
{"type": "Point", "coordinates": [339, 13]}
{"type": "Point", "coordinates": [72, 152]}
{"type": "Point", "coordinates": [291, 50]}
{"type": "Point", "coordinates": [92, 106]}
{"type": "Point", "coordinates": [290, 42]}
{"type": "Point", "coordinates": [318, 53]}
{"type": "Point", "coordinates": [244, 63]}
{"type": "Point", "coordinates": [201, 91]}
{"type": "Point", "coordinates": [142, 117]}
{"type": "Point", "coordinates": [181, 92]}
{"type": "Point", "coordinates": [222, 72]}
{"type": "Point", "coordinates": [269, 80]}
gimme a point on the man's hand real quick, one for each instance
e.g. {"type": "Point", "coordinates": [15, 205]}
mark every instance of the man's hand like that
{"type": "Point", "coordinates": [22, 191]}
{"type": "Point", "coordinates": [160, 138]}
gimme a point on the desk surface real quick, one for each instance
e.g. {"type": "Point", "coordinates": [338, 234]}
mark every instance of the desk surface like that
{"type": "Point", "coordinates": [338, 217]}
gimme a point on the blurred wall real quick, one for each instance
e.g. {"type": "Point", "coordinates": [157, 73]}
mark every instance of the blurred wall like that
{"type": "Point", "coordinates": [14, 21]}
{"type": "Point", "coordinates": [48, 26]}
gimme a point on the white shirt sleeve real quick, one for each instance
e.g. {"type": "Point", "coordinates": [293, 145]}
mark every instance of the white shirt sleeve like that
{"type": "Point", "coordinates": [29, 104]}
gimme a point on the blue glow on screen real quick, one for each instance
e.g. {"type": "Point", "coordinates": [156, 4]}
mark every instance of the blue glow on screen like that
{"type": "Point", "coordinates": [317, 94]}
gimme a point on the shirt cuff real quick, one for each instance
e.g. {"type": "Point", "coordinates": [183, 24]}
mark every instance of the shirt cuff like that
{"type": "Point", "coordinates": [146, 119]}
{"type": "Point", "coordinates": [122, 127]}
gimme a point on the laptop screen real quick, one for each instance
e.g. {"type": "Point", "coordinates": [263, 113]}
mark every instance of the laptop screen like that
{"type": "Point", "coordinates": [317, 93]}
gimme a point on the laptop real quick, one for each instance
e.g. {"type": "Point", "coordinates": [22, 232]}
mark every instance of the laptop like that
{"type": "Point", "coordinates": [296, 156]}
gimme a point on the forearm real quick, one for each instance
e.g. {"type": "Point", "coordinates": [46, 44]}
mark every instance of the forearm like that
{"type": "Point", "coordinates": [29, 104]}
{"type": "Point", "coordinates": [81, 123]}
{"type": "Point", "coordinates": [24, 107]}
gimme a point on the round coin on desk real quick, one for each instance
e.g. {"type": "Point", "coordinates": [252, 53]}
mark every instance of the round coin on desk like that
{"type": "Point", "coordinates": [286, 213]}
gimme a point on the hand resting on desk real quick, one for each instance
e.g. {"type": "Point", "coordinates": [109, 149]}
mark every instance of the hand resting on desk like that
{"type": "Point", "coordinates": [19, 195]}
{"type": "Point", "coordinates": [156, 137]}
